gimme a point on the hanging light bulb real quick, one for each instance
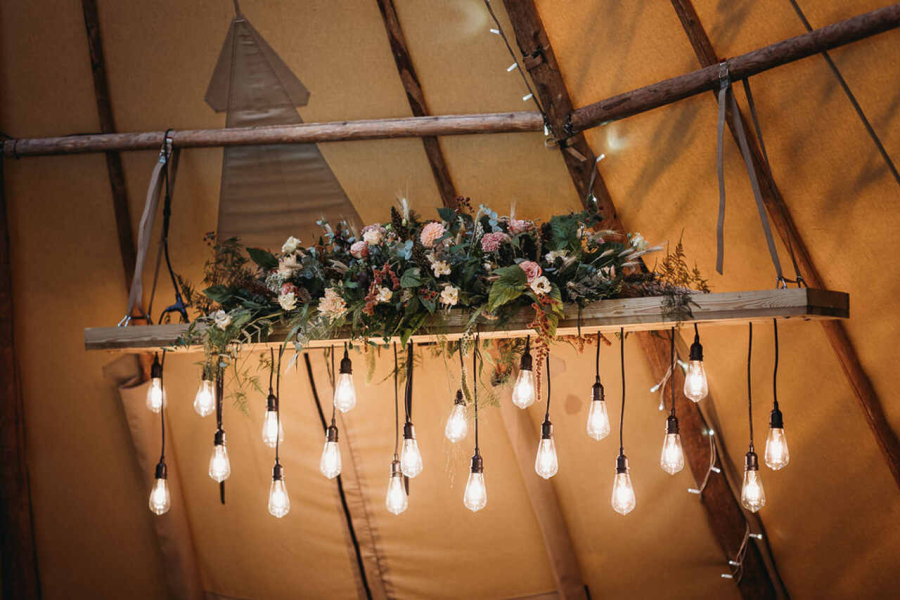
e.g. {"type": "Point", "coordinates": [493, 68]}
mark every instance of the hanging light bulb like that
{"type": "Point", "coordinates": [345, 392]}
{"type": "Point", "coordinates": [205, 400]}
{"type": "Point", "coordinates": [475, 497]}
{"type": "Point", "coordinates": [457, 427]}
{"type": "Point", "coordinates": [623, 499]}
{"type": "Point", "coordinates": [598, 418]}
{"type": "Point", "coordinates": [156, 393]}
{"type": "Point", "coordinates": [330, 465]}
{"type": "Point", "coordinates": [672, 458]}
{"type": "Point", "coordinates": [396, 500]}
{"type": "Point", "coordinates": [410, 458]}
{"type": "Point", "coordinates": [160, 500]}
{"type": "Point", "coordinates": [777, 454]}
{"type": "Point", "coordinates": [279, 501]}
{"type": "Point", "coordinates": [272, 428]}
{"type": "Point", "coordinates": [546, 463]}
{"type": "Point", "coordinates": [695, 385]}
{"type": "Point", "coordinates": [219, 465]}
{"type": "Point", "coordinates": [523, 391]}
{"type": "Point", "coordinates": [753, 496]}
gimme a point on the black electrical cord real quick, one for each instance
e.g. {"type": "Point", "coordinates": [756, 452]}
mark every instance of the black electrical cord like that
{"type": "Point", "coordinates": [749, 391]}
{"type": "Point", "coordinates": [407, 401]}
{"type": "Point", "coordinates": [547, 361]}
{"type": "Point", "coordinates": [277, 407]}
{"type": "Point", "coordinates": [475, 354]}
{"type": "Point", "coordinates": [622, 414]}
{"type": "Point", "coordinates": [334, 383]}
{"type": "Point", "coordinates": [396, 407]}
{"type": "Point", "coordinates": [775, 374]}
{"type": "Point", "coordinates": [597, 360]}
{"type": "Point", "coordinates": [162, 407]}
{"type": "Point", "coordinates": [672, 367]}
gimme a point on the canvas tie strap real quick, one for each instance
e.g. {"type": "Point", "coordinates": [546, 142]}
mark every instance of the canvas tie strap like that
{"type": "Point", "coordinates": [727, 101]}
{"type": "Point", "coordinates": [167, 154]}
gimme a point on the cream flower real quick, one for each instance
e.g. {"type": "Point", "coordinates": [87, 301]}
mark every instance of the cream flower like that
{"type": "Point", "coordinates": [332, 305]}
{"type": "Point", "coordinates": [290, 246]}
{"type": "Point", "coordinates": [222, 319]}
{"type": "Point", "coordinates": [384, 295]}
{"type": "Point", "coordinates": [450, 296]}
{"type": "Point", "coordinates": [359, 249]}
{"type": "Point", "coordinates": [373, 234]}
{"type": "Point", "coordinates": [551, 257]}
{"type": "Point", "coordinates": [440, 267]}
{"type": "Point", "coordinates": [541, 285]}
{"type": "Point", "coordinates": [287, 265]}
{"type": "Point", "coordinates": [288, 301]}
{"type": "Point", "coordinates": [638, 242]}
{"type": "Point", "coordinates": [431, 233]}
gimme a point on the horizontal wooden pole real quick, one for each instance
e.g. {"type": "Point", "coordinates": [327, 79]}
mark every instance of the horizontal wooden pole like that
{"type": "Point", "coordinates": [618, 107]}
{"type": "Point", "coordinates": [634, 314]}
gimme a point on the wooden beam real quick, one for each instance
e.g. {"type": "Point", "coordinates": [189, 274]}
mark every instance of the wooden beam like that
{"type": "Point", "coordinates": [108, 125]}
{"type": "Point", "coordinates": [416, 98]}
{"type": "Point", "coordinates": [634, 314]}
{"type": "Point", "coordinates": [722, 509]}
{"type": "Point", "coordinates": [781, 218]}
{"type": "Point", "coordinates": [618, 107]}
{"type": "Point", "coordinates": [18, 554]}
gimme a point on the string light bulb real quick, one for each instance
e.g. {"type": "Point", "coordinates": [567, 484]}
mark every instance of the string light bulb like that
{"type": "Point", "coordinates": [156, 393]}
{"type": "Point", "coordinates": [410, 457]}
{"type": "Point", "coordinates": [475, 497]}
{"type": "Point", "coordinates": [696, 386]}
{"type": "Point", "coordinates": [345, 391]}
{"type": "Point", "coordinates": [672, 457]}
{"type": "Point", "coordinates": [523, 391]}
{"type": "Point", "coordinates": [546, 463]}
{"type": "Point", "coordinates": [777, 454]}
{"type": "Point", "coordinates": [753, 495]}
{"type": "Point", "coordinates": [623, 499]}
{"type": "Point", "coordinates": [205, 399]}
{"type": "Point", "coordinates": [219, 465]}
{"type": "Point", "coordinates": [330, 465]}
{"type": "Point", "coordinates": [457, 427]}
{"type": "Point", "coordinates": [598, 418]}
{"type": "Point", "coordinates": [272, 428]}
{"type": "Point", "coordinates": [160, 499]}
{"type": "Point", "coordinates": [396, 501]}
{"type": "Point", "coordinates": [279, 500]}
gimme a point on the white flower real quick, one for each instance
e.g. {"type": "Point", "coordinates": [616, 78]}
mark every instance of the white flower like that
{"type": "Point", "coordinates": [541, 285]}
{"type": "Point", "coordinates": [222, 319]}
{"type": "Point", "coordinates": [384, 295]}
{"type": "Point", "coordinates": [287, 265]}
{"type": "Point", "coordinates": [440, 267]}
{"type": "Point", "coordinates": [551, 257]}
{"type": "Point", "coordinates": [373, 235]}
{"type": "Point", "coordinates": [638, 242]}
{"type": "Point", "coordinates": [450, 296]}
{"type": "Point", "coordinates": [332, 305]}
{"type": "Point", "coordinates": [488, 266]}
{"type": "Point", "coordinates": [290, 246]}
{"type": "Point", "coordinates": [288, 301]}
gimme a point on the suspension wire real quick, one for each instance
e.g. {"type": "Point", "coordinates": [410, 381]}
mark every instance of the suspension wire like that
{"type": "Point", "coordinates": [749, 391]}
{"type": "Point", "coordinates": [597, 360]}
{"type": "Point", "coordinates": [547, 362]}
{"type": "Point", "coordinates": [672, 367]}
{"type": "Point", "coordinates": [475, 354]}
{"type": "Point", "coordinates": [278, 407]}
{"type": "Point", "coordinates": [271, 367]}
{"type": "Point", "coordinates": [162, 406]}
{"type": "Point", "coordinates": [622, 414]}
{"type": "Point", "coordinates": [396, 407]}
{"type": "Point", "coordinates": [775, 374]}
{"type": "Point", "coordinates": [409, 382]}
{"type": "Point", "coordinates": [334, 384]}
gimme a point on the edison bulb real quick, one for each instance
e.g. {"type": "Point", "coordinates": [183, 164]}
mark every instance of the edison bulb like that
{"type": "Point", "coordinates": [598, 420]}
{"type": "Point", "coordinates": [345, 392]}
{"type": "Point", "coordinates": [219, 465]}
{"type": "Point", "coordinates": [330, 465]}
{"type": "Point", "coordinates": [410, 458]}
{"type": "Point", "coordinates": [160, 500]}
{"type": "Point", "coordinates": [546, 463]}
{"type": "Point", "coordinates": [777, 454]}
{"type": "Point", "coordinates": [623, 500]}
{"type": "Point", "coordinates": [476, 493]}
{"type": "Point", "coordinates": [272, 429]}
{"type": "Point", "coordinates": [279, 501]}
{"type": "Point", "coordinates": [523, 392]}
{"type": "Point", "coordinates": [396, 501]}
{"type": "Point", "coordinates": [156, 395]}
{"type": "Point", "coordinates": [457, 426]}
{"type": "Point", "coordinates": [672, 458]}
{"type": "Point", "coordinates": [695, 385]}
{"type": "Point", "coordinates": [205, 400]}
{"type": "Point", "coordinates": [753, 496]}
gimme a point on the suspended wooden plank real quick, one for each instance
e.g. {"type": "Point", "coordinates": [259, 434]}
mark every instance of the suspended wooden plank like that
{"type": "Point", "coordinates": [634, 314]}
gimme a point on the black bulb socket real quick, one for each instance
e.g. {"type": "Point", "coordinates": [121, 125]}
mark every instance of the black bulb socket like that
{"type": "Point", "coordinates": [408, 431]}
{"type": "Point", "coordinates": [751, 461]}
{"type": "Point", "coordinates": [621, 464]}
{"type": "Point", "coordinates": [219, 439]}
{"type": "Point", "coordinates": [162, 471]}
{"type": "Point", "coordinates": [546, 430]}
{"type": "Point", "coordinates": [332, 435]}
{"type": "Point", "coordinates": [459, 398]}
{"type": "Point", "coordinates": [477, 463]}
{"type": "Point", "coordinates": [527, 363]}
{"type": "Point", "coordinates": [277, 472]}
{"type": "Point", "coordinates": [156, 368]}
{"type": "Point", "coordinates": [346, 364]}
{"type": "Point", "coordinates": [776, 420]}
{"type": "Point", "coordinates": [271, 402]}
{"type": "Point", "coordinates": [597, 392]}
{"type": "Point", "coordinates": [696, 349]}
{"type": "Point", "coordinates": [672, 424]}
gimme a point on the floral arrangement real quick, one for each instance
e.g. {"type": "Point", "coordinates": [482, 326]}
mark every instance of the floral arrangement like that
{"type": "Point", "coordinates": [389, 278]}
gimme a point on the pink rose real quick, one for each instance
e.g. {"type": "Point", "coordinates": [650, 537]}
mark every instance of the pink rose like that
{"type": "Point", "coordinates": [519, 225]}
{"type": "Point", "coordinates": [531, 268]}
{"type": "Point", "coordinates": [359, 249]}
{"type": "Point", "coordinates": [431, 233]}
{"type": "Point", "coordinates": [491, 241]}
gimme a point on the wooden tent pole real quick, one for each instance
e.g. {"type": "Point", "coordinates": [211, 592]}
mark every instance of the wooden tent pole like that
{"type": "Point", "coordinates": [618, 107]}
{"type": "Point", "coordinates": [780, 214]}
